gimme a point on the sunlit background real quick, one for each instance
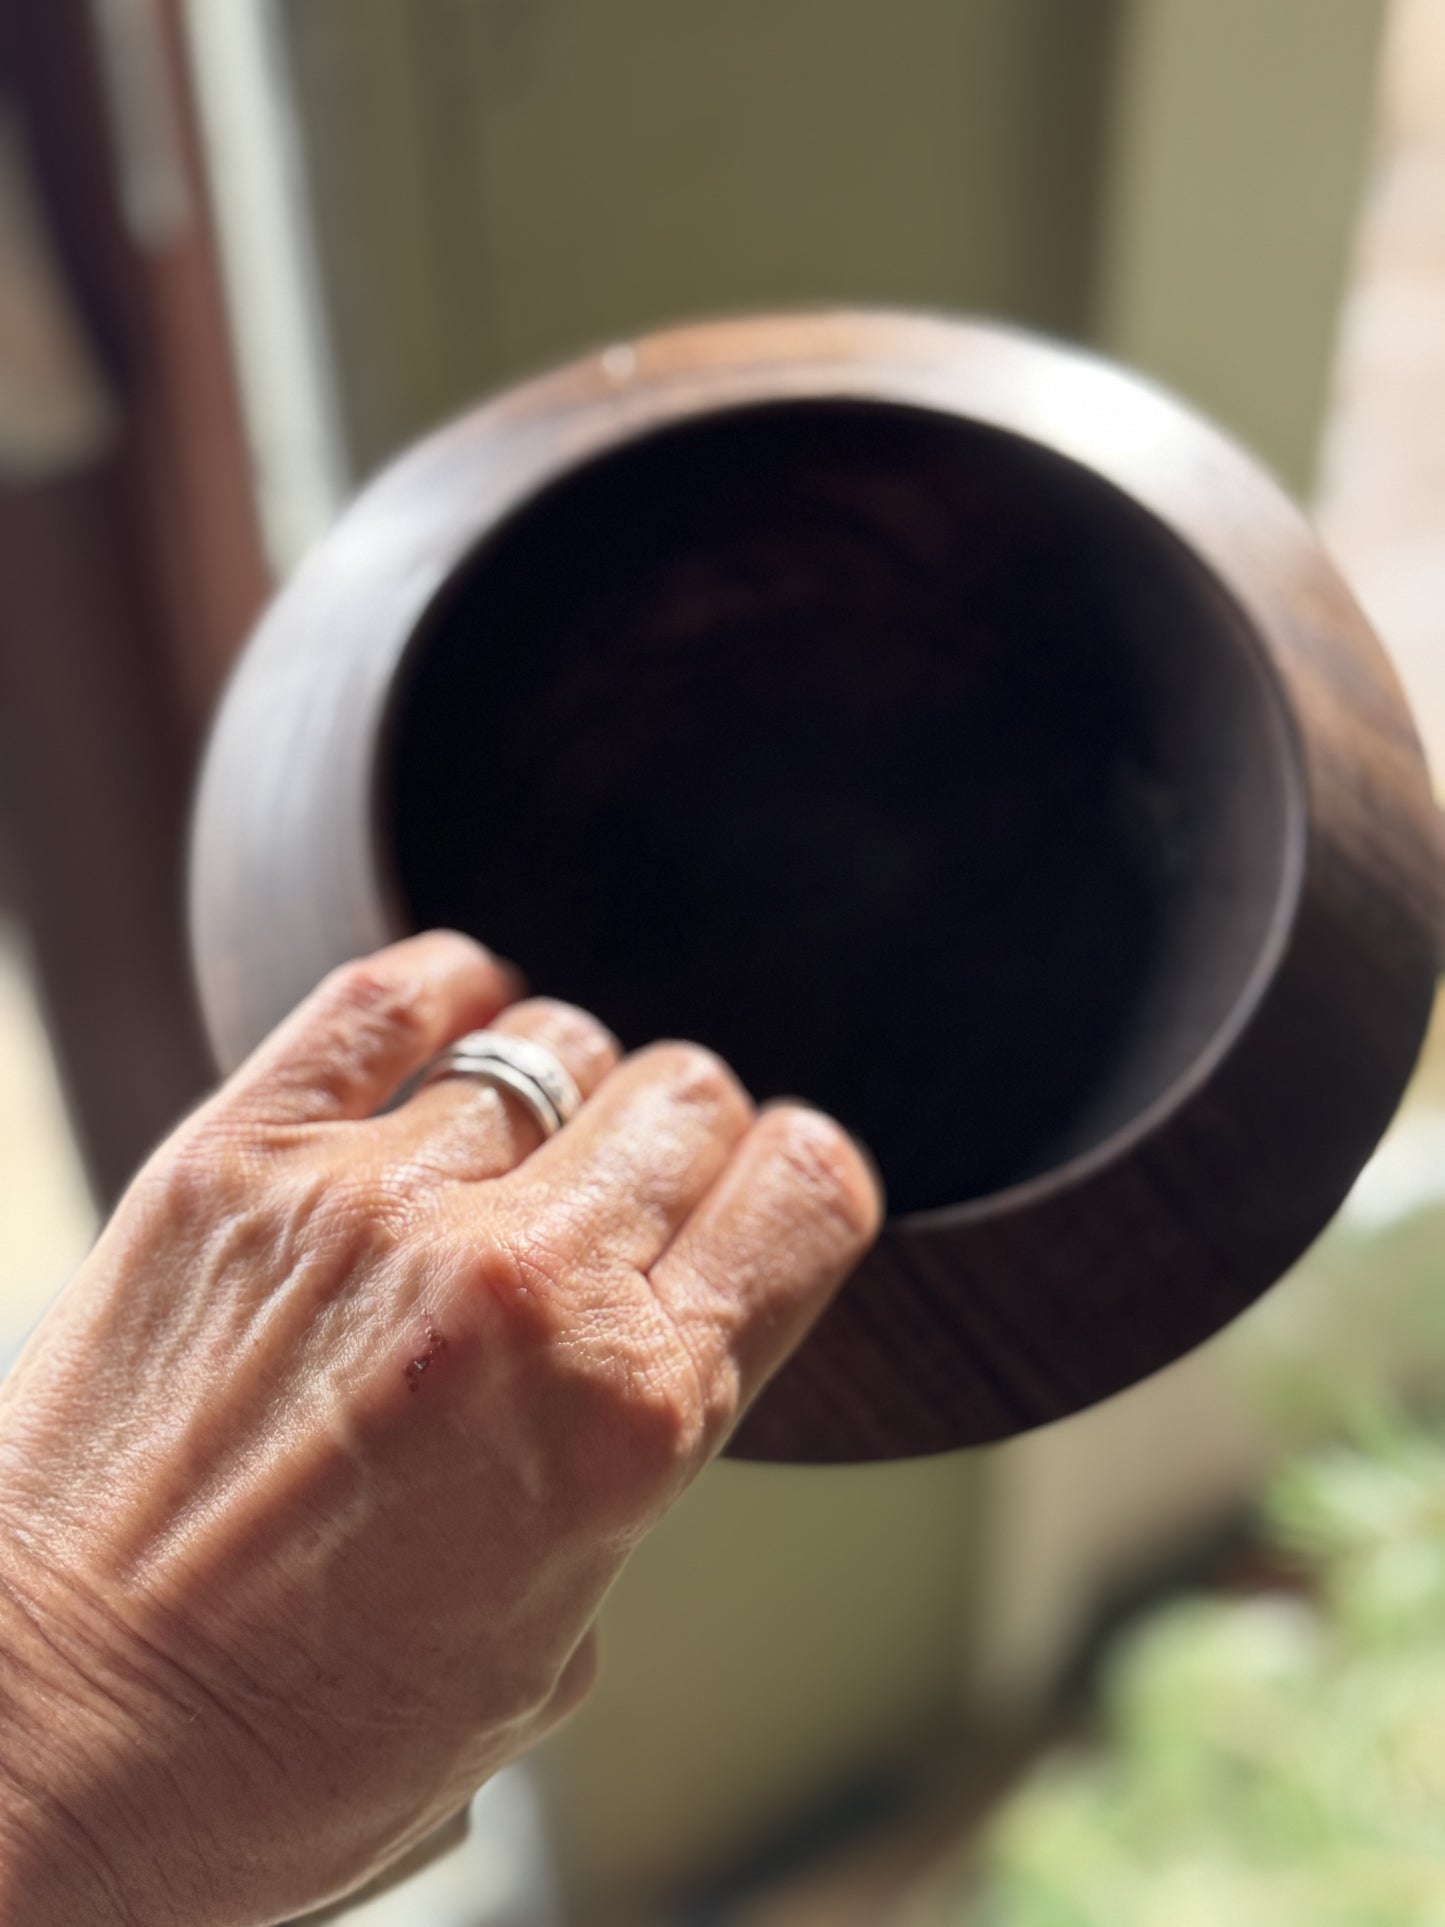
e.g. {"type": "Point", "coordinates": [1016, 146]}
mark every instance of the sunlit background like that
{"type": "Point", "coordinates": [1177, 1660]}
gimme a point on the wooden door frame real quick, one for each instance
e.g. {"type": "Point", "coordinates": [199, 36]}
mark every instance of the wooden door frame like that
{"type": "Point", "coordinates": [126, 584]}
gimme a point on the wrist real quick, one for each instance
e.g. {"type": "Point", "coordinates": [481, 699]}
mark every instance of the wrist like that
{"type": "Point", "coordinates": [58, 1864]}
{"type": "Point", "coordinates": [88, 1833]}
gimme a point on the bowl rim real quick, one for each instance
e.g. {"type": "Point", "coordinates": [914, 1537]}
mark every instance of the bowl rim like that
{"type": "Point", "coordinates": [1086, 415]}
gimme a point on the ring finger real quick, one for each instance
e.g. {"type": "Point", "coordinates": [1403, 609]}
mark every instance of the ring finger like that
{"type": "Point", "coordinates": [462, 1128]}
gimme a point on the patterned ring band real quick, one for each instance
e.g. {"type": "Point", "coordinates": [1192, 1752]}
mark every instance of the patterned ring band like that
{"type": "Point", "coordinates": [529, 1071]}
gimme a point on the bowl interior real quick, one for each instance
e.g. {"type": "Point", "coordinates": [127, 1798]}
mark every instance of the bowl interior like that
{"type": "Point", "coordinates": [910, 766]}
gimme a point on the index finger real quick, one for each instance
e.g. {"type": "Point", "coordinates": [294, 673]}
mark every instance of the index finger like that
{"type": "Point", "coordinates": [366, 1028]}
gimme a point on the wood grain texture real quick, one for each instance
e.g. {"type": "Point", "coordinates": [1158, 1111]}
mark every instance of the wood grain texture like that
{"type": "Point", "coordinates": [936, 721]}
{"type": "Point", "coordinates": [126, 586]}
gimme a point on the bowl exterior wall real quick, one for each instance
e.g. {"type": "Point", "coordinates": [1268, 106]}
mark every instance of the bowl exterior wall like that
{"type": "Point", "coordinates": [964, 1325]}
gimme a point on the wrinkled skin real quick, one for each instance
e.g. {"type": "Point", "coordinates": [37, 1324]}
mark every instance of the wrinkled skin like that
{"type": "Point", "coordinates": [313, 1480]}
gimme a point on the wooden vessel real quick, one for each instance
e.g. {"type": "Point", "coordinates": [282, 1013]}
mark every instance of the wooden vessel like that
{"type": "Point", "coordinates": [939, 723]}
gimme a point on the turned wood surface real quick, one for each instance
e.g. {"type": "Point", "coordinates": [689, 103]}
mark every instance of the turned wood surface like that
{"type": "Point", "coordinates": [939, 723]}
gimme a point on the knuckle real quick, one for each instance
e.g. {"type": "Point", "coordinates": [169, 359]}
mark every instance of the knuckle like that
{"type": "Point", "coordinates": [575, 1034]}
{"type": "Point", "coordinates": [536, 1252]}
{"type": "Point", "coordinates": [575, 1684]}
{"type": "Point", "coordinates": [188, 1176]}
{"type": "Point", "coordinates": [696, 1076]}
{"type": "Point", "coordinates": [360, 1018]}
{"type": "Point", "coordinates": [821, 1162]}
{"type": "Point", "coordinates": [444, 945]}
{"type": "Point", "coordinates": [665, 1413]}
{"type": "Point", "coordinates": [652, 1428]}
{"type": "Point", "coordinates": [520, 1280]}
{"type": "Point", "coordinates": [366, 1004]}
{"type": "Point", "coordinates": [238, 1211]}
{"type": "Point", "coordinates": [216, 1155]}
{"type": "Point", "coordinates": [638, 1417]}
{"type": "Point", "coordinates": [540, 1697]}
{"type": "Point", "coordinates": [632, 1413]}
{"type": "Point", "coordinates": [716, 1396]}
{"type": "Point", "coordinates": [355, 1207]}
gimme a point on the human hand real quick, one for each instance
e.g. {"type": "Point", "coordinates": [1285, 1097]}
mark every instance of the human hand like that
{"type": "Point", "coordinates": [313, 1480]}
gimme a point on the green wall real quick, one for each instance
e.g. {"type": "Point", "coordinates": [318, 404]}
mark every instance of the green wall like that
{"type": "Point", "coordinates": [502, 184]}
{"type": "Point", "coordinates": [499, 183]}
{"type": "Point", "coordinates": [1235, 151]}
{"type": "Point", "coordinates": [783, 1632]}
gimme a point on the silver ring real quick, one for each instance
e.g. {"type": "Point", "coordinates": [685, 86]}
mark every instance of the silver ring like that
{"type": "Point", "coordinates": [529, 1071]}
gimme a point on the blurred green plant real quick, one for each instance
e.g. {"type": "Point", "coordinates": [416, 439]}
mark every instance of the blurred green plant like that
{"type": "Point", "coordinates": [1365, 1310]}
{"type": "Point", "coordinates": [1276, 1760]}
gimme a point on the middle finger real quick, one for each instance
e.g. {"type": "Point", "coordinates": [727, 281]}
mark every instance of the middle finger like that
{"type": "Point", "coordinates": [617, 1182]}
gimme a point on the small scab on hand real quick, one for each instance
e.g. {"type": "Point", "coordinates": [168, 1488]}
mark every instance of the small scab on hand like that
{"type": "Point", "coordinates": [417, 1366]}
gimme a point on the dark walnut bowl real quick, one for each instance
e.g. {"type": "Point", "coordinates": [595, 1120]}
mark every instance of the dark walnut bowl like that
{"type": "Point", "coordinates": [937, 723]}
